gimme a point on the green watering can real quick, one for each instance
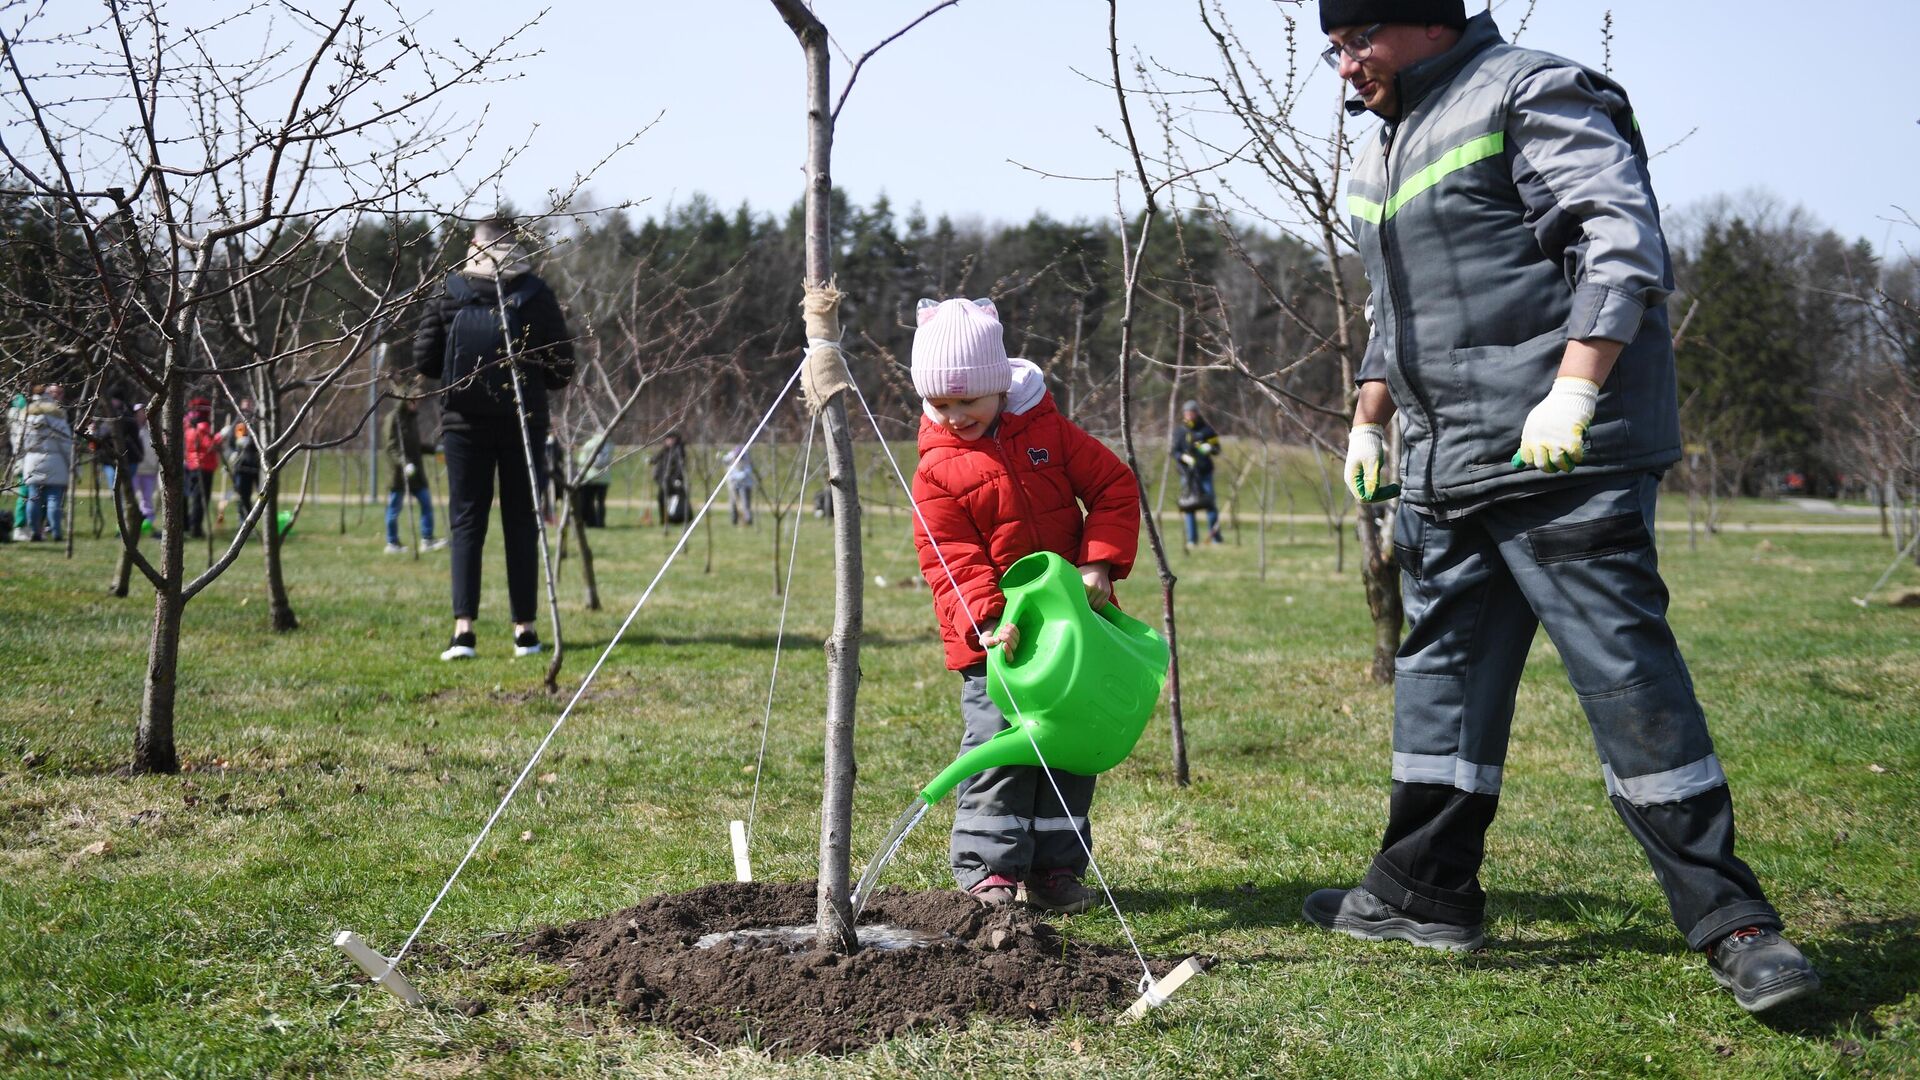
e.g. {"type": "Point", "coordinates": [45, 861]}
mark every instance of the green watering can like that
{"type": "Point", "coordinates": [1086, 681]}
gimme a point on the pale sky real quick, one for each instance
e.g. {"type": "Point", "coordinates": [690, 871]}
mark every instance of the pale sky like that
{"type": "Point", "coordinates": [1806, 108]}
{"type": "Point", "coordinates": [1820, 112]}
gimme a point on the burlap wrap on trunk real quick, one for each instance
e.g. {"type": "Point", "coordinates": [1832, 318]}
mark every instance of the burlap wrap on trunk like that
{"type": "Point", "coordinates": [826, 371]}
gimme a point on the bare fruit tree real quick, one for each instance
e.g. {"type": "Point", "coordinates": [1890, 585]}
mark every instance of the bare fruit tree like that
{"type": "Point", "coordinates": [1132, 255]}
{"type": "Point", "coordinates": [1286, 174]}
{"type": "Point", "coordinates": [827, 383]}
{"type": "Point", "coordinates": [641, 324]}
{"type": "Point", "coordinates": [189, 178]}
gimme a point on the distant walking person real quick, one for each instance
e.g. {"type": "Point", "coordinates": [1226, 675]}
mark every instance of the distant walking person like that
{"type": "Point", "coordinates": [594, 459]}
{"type": "Point", "coordinates": [740, 484]}
{"type": "Point", "coordinates": [463, 341]}
{"type": "Point", "coordinates": [46, 462]}
{"type": "Point", "coordinates": [202, 457]}
{"type": "Point", "coordinates": [144, 462]}
{"type": "Point", "coordinates": [241, 437]}
{"type": "Point", "coordinates": [1195, 446]}
{"type": "Point", "coordinates": [407, 475]}
{"type": "Point", "coordinates": [16, 431]}
{"type": "Point", "coordinates": [670, 479]}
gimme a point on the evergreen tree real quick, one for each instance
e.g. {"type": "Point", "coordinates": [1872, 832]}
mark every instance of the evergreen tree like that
{"type": "Point", "coordinates": [1741, 362]}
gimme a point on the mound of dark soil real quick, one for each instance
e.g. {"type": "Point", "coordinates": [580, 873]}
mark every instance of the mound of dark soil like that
{"type": "Point", "coordinates": [1000, 962]}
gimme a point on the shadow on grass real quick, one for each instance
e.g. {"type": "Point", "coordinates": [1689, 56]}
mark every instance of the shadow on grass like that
{"type": "Point", "coordinates": [1598, 924]}
{"type": "Point", "coordinates": [1863, 966]}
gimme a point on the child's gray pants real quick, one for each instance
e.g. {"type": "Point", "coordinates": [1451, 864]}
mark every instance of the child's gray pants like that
{"type": "Point", "coordinates": [1008, 820]}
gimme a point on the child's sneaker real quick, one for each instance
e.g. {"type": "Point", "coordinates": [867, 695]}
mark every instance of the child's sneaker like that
{"type": "Point", "coordinates": [396, 549]}
{"type": "Point", "coordinates": [1059, 889]}
{"type": "Point", "coordinates": [460, 648]}
{"type": "Point", "coordinates": [525, 643]}
{"type": "Point", "coordinates": [993, 890]}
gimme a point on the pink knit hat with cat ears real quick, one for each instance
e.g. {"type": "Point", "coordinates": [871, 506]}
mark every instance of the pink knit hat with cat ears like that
{"type": "Point", "coordinates": [958, 350]}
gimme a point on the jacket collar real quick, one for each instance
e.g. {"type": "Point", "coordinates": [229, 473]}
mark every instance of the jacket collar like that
{"type": "Point", "coordinates": [933, 435]}
{"type": "Point", "coordinates": [1418, 81]}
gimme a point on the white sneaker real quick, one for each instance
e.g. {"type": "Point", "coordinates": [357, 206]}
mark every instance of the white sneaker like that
{"type": "Point", "coordinates": [525, 643]}
{"type": "Point", "coordinates": [460, 648]}
{"type": "Point", "coordinates": [396, 549]}
{"type": "Point", "coordinates": [434, 545]}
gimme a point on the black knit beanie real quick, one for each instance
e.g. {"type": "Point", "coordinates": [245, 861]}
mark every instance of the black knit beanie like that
{"type": "Point", "coordinates": [1335, 13]}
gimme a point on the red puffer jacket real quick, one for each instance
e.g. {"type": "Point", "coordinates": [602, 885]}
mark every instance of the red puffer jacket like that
{"type": "Point", "coordinates": [202, 453]}
{"type": "Point", "coordinates": [1009, 494]}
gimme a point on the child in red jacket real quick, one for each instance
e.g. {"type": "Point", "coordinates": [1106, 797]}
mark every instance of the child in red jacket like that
{"type": "Point", "coordinates": [1002, 475]}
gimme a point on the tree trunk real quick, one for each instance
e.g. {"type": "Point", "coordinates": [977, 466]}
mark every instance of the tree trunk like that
{"type": "Point", "coordinates": [1266, 504]}
{"type": "Point", "coordinates": [153, 741]}
{"type": "Point", "coordinates": [1173, 414]}
{"type": "Point", "coordinates": [122, 574]}
{"type": "Point", "coordinates": [1168, 579]}
{"type": "Point", "coordinates": [1380, 575]}
{"type": "Point", "coordinates": [124, 510]}
{"type": "Point", "coordinates": [153, 750]}
{"type": "Point", "coordinates": [833, 914]}
{"type": "Point", "coordinates": [586, 559]}
{"type": "Point", "coordinates": [279, 607]}
{"type": "Point", "coordinates": [534, 487]}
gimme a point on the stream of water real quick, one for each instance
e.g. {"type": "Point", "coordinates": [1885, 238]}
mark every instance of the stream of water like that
{"type": "Point", "coordinates": [871, 875]}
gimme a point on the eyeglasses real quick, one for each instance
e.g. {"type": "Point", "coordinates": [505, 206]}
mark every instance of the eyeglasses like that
{"type": "Point", "coordinates": [1358, 47]}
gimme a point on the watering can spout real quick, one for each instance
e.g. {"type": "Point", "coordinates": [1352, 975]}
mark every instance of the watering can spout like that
{"type": "Point", "coordinates": [1010, 747]}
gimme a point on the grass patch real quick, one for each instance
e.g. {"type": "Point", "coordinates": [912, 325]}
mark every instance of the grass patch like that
{"type": "Point", "coordinates": [178, 926]}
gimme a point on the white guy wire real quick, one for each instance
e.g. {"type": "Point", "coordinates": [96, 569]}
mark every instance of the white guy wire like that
{"type": "Point", "coordinates": [584, 683]}
{"type": "Point", "coordinates": [1146, 980]}
{"type": "Point", "coordinates": [780, 635]}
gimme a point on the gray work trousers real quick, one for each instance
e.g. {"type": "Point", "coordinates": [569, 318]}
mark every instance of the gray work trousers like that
{"type": "Point", "coordinates": [1008, 821]}
{"type": "Point", "coordinates": [1580, 561]}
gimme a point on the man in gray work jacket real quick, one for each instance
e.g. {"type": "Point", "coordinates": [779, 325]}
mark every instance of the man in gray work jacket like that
{"type": "Point", "coordinates": [1519, 327]}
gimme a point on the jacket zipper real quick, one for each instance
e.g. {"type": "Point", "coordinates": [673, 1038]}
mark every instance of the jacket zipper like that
{"type": "Point", "coordinates": [1020, 493]}
{"type": "Point", "coordinates": [1396, 289]}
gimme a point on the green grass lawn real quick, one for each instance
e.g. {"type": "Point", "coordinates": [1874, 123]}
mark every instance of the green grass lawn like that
{"type": "Point", "coordinates": [178, 926]}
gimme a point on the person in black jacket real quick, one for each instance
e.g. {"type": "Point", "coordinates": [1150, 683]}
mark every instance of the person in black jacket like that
{"type": "Point", "coordinates": [495, 324]}
{"type": "Point", "coordinates": [670, 479]}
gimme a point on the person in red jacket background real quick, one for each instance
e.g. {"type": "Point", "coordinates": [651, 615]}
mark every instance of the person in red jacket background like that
{"type": "Point", "coordinates": [202, 457]}
{"type": "Point", "coordinates": [1003, 475]}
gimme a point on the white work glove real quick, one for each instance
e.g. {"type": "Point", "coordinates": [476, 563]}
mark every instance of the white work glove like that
{"type": "Point", "coordinates": [410, 470]}
{"type": "Point", "coordinates": [1187, 460]}
{"type": "Point", "coordinates": [1366, 453]}
{"type": "Point", "coordinates": [1554, 438]}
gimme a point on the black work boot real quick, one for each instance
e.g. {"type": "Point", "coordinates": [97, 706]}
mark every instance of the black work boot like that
{"type": "Point", "coordinates": [1358, 913]}
{"type": "Point", "coordinates": [1762, 968]}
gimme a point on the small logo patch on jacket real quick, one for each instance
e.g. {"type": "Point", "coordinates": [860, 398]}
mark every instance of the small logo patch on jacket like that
{"type": "Point", "coordinates": [1037, 455]}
